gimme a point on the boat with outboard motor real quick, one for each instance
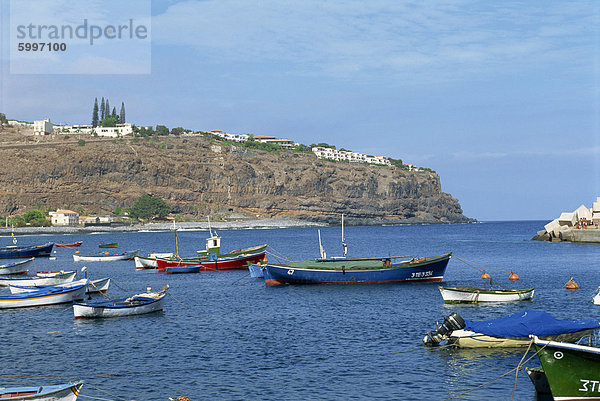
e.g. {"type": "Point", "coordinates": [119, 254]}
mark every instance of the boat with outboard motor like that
{"type": "Point", "coordinates": [509, 331]}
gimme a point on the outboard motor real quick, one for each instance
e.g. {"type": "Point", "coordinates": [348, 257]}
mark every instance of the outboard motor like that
{"type": "Point", "coordinates": [451, 323]}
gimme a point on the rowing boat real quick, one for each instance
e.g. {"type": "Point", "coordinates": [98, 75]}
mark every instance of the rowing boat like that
{"type": "Point", "coordinates": [78, 243]}
{"type": "Point", "coordinates": [45, 296]}
{"type": "Point", "coordinates": [13, 252]}
{"type": "Point", "coordinates": [15, 267]}
{"type": "Point", "coordinates": [93, 286]}
{"type": "Point", "coordinates": [475, 295]}
{"type": "Point", "coordinates": [59, 392]}
{"type": "Point", "coordinates": [44, 281]}
{"type": "Point", "coordinates": [135, 305]}
{"type": "Point", "coordinates": [104, 257]}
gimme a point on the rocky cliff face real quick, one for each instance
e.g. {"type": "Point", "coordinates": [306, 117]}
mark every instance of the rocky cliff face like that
{"type": "Point", "coordinates": [197, 177]}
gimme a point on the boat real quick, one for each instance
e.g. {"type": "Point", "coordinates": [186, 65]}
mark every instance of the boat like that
{"type": "Point", "coordinates": [539, 380]}
{"type": "Point", "coordinates": [12, 252]}
{"type": "Point", "coordinates": [149, 262]}
{"type": "Point", "coordinates": [45, 296]}
{"type": "Point", "coordinates": [93, 286]}
{"type": "Point", "coordinates": [256, 270]}
{"type": "Point", "coordinates": [111, 245]}
{"type": "Point", "coordinates": [15, 267]}
{"type": "Point", "coordinates": [509, 331]}
{"type": "Point", "coordinates": [104, 257]}
{"type": "Point", "coordinates": [475, 295]}
{"type": "Point", "coordinates": [571, 370]}
{"type": "Point", "coordinates": [59, 392]}
{"type": "Point", "coordinates": [596, 299]}
{"type": "Point", "coordinates": [42, 281]}
{"type": "Point", "coordinates": [183, 269]}
{"type": "Point", "coordinates": [78, 243]}
{"type": "Point", "coordinates": [211, 258]}
{"type": "Point", "coordinates": [135, 305]}
{"type": "Point", "coordinates": [48, 273]}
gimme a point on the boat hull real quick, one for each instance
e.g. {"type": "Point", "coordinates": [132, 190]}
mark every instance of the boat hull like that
{"type": "Point", "coordinates": [41, 281]}
{"type": "Point", "coordinates": [95, 286]}
{"type": "Point", "coordinates": [182, 269]}
{"type": "Point", "coordinates": [26, 251]}
{"type": "Point", "coordinates": [149, 262]}
{"type": "Point", "coordinates": [469, 339]}
{"type": "Point", "coordinates": [117, 308]}
{"type": "Point", "coordinates": [78, 243]}
{"type": "Point", "coordinates": [42, 297]}
{"type": "Point", "coordinates": [106, 258]}
{"type": "Point", "coordinates": [429, 269]}
{"type": "Point", "coordinates": [572, 371]}
{"type": "Point", "coordinates": [476, 295]}
{"type": "Point", "coordinates": [229, 263]}
{"type": "Point", "coordinates": [61, 392]}
{"type": "Point", "coordinates": [256, 271]}
{"type": "Point", "coordinates": [16, 267]}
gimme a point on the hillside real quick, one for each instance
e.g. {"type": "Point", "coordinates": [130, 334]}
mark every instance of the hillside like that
{"type": "Point", "coordinates": [197, 177]}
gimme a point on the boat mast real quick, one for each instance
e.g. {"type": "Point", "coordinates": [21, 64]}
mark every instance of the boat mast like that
{"type": "Point", "coordinates": [344, 239]}
{"type": "Point", "coordinates": [321, 249]}
{"type": "Point", "coordinates": [176, 241]}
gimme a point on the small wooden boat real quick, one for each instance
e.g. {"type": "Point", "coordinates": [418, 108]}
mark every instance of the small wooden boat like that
{"type": "Point", "coordinates": [93, 286]}
{"type": "Point", "coordinates": [183, 269]}
{"type": "Point", "coordinates": [26, 251]}
{"type": "Point", "coordinates": [104, 257]}
{"type": "Point", "coordinates": [509, 331]}
{"type": "Point", "coordinates": [16, 267]}
{"type": "Point", "coordinates": [45, 296]}
{"type": "Point", "coordinates": [43, 281]}
{"type": "Point", "coordinates": [48, 273]}
{"type": "Point", "coordinates": [149, 262]}
{"type": "Point", "coordinates": [475, 295]}
{"type": "Point", "coordinates": [111, 245]}
{"type": "Point", "coordinates": [78, 243]}
{"type": "Point", "coordinates": [571, 370]}
{"type": "Point", "coordinates": [135, 305]}
{"type": "Point", "coordinates": [59, 392]}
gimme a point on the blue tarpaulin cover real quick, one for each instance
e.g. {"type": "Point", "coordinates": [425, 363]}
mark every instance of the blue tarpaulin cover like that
{"type": "Point", "coordinates": [523, 324]}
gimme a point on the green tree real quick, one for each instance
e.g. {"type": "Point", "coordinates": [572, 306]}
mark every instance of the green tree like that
{"type": "Point", "coordinates": [109, 121]}
{"type": "Point", "coordinates": [95, 113]}
{"type": "Point", "coordinates": [118, 211]}
{"type": "Point", "coordinates": [114, 113]}
{"type": "Point", "coordinates": [3, 119]}
{"type": "Point", "coordinates": [122, 113]}
{"type": "Point", "coordinates": [107, 109]}
{"type": "Point", "coordinates": [34, 216]}
{"type": "Point", "coordinates": [102, 109]}
{"type": "Point", "coordinates": [162, 130]}
{"type": "Point", "coordinates": [81, 142]}
{"type": "Point", "coordinates": [149, 207]}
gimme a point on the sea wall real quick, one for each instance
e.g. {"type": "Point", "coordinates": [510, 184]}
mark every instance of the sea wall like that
{"type": "Point", "coordinates": [581, 225]}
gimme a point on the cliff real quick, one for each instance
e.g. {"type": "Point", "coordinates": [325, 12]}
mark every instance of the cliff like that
{"type": "Point", "coordinates": [198, 177]}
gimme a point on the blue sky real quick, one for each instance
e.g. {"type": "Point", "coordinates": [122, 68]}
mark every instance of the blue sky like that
{"type": "Point", "coordinates": [500, 98]}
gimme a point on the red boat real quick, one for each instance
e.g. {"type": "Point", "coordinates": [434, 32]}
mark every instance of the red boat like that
{"type": "Point", "coordinates": [237, 262]}
{"type": "Point", "coordinates": [78, 243]}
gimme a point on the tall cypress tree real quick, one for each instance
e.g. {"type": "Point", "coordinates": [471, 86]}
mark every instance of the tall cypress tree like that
{"type": "Point", "coordinates": [107, 110]}
{"type": "Point", "coordinates": [114, 112]}
{"type": "Point", "coordinates": [122, 113]}
{"type": "Point", "coordinates": [102, 109]}
{"type": "Point", "coordinates": [95, 113]}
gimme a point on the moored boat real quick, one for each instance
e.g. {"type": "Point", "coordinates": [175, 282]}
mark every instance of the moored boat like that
{"type": "Point", "coordinates": [59, 392]}
{"type": "Point", "coordinates": [389, 269]}
{"type": "Point", "coordinates": [572, 370]}
{"type": "Point", "coordinates": [509, 331]}
{"type": "Point", "coordinates": [13, 252]}
{"type": "Point", "coordinates": [78, 243]}
{"type": "Point", "coordinates": [149, 262]}
{"type": "Point", "coordinates": [43, 281]}
{"type": "Point", "coordinates": [183, 269]}
{"type": "Point", "coordinates": [45, 296]}
{"type": "Point", "coordinates": [48, 273]}
{"type": "Point", "coordinates": [16, 267]}
{"type": "Point", "coordinates": [135, 305]}
{"type": "Point", "coordinates": [232, 261]}
{"type": "Point", "coordinates": [104, 257]}
{"type": "Point", "coordinates": [111, 245]}
{"type": "Point", "coordinates": [256, 270]}
{"type": "Point", "coordinates": [476, 295]}
{"type": "Point", "coordinates": [93, 286]}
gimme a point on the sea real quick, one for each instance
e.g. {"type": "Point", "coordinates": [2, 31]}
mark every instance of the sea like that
{"type": "Point", "coordinates": [225, 336]}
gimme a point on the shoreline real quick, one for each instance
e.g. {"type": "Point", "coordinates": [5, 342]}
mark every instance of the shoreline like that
{"type": "Point", "coordinates": [151, 227]}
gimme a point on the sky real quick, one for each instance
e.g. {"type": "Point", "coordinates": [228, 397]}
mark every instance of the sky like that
{"type": "Point", "coordinates": [500, 98]}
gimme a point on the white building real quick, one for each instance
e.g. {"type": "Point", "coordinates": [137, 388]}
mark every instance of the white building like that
{"type": "Point", "coordinates": [230, 137]}
{"type": "Point", "coordinates": [74, 129]}
{"type": "Point", "coordinates": [115, 132]}
{"type": "Point", "coordinates": [42, 127]}
{"type": "Point", "coordinates": [21, 123]}
{"type": "Point", "coordinates": [352, 157]}
{"type": "Point", "coordinates": [64, 217]}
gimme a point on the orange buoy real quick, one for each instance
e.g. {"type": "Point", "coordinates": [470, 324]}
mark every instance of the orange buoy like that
{"type": "Point", "coordinates": [265, 261]}
{"type": "Point", "coordinates": [513, 277]}
{"type": "Point", "coordinates": [77, 251]}
{"type": "Point", "coordinates": [485, 275]}
{"type": "Point", "coordinates": [571, 285]}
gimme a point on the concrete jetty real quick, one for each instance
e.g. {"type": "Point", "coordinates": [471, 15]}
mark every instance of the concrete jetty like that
{"type": "Point", "coordinates": [581, 225]}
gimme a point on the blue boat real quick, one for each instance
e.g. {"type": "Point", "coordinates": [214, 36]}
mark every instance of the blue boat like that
{"type": "Point", "coordinates": [390, 269]}
{"type": "Point", "coordinates": [26, 251]}
{"type": "Point", "coordinates": [59, 392]}
{"type": "Point", "coordinates": [183, 269]}
{"type": "Point", "coordinates": [256, 271]}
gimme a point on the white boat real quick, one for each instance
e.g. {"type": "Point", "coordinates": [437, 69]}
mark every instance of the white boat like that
{"type": "Point", "coordinates": [149, 262]}
{"type": "Point", "coordinates": [476, 295]}
{"type": "Point", "coordinates": [104, 257]}
{"type": "Point", "coordinates": [45, 296]}
{"type": "Point", "coordinates": [135, 305]}
{"type": "Point", "coordinates": [596, 299]}
{"type": "Point", "coordinates": [52, 273]}
{"type": "Point", "coordinates": [41, 281]}
{"type": "Point", "coordinates": [59, 392]}
{"type": "Point", "coordinates": [510, 331]}
{"type": "Point", "coordinates": [15, 267]}
{"type": "Point", "coordinates": [93, 286]}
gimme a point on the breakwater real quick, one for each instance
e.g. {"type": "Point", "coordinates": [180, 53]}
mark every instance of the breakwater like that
{"type": "Point", "coordinates": [581, 225]}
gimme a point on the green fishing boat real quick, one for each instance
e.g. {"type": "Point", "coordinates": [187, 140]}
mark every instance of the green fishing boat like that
{"type": "Point", "coordinates": [112, 245]}
{"type": "Point", "coordinates": [572, 370]}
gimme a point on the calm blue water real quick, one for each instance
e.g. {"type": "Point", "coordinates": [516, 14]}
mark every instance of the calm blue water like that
{"type": "Point", "coordinates": [242, 340]}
